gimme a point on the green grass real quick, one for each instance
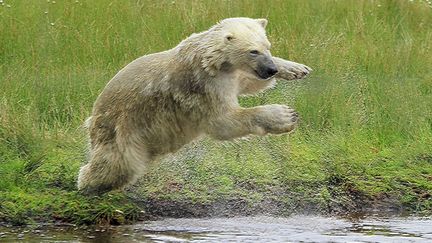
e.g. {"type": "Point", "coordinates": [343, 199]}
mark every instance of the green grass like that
{"type": "Point", "coordinates": [366, 111]}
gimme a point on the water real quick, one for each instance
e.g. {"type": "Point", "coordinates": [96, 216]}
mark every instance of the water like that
{"type": "Point", "coordinates": [239, 229]}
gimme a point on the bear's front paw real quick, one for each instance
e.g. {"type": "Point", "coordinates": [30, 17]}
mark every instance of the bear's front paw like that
{"type": "Point", "coordinates": [276, 119]}
{"type": "Point", "coordinates": [292, 70]}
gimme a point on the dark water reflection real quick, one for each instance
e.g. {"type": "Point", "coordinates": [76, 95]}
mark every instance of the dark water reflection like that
{"type": "Point", "coordinates": [240, 229]}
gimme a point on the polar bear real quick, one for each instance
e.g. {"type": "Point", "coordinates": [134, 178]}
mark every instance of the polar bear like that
{"type": "Point", "coordinates": [162, 101]}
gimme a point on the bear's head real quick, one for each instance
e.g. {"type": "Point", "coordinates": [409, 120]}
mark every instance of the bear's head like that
{"type": "Point", "coordinates": [240, 44]}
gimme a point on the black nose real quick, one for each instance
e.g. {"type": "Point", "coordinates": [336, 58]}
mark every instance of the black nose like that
{"type": "Point", "coordinates": [271, 71]}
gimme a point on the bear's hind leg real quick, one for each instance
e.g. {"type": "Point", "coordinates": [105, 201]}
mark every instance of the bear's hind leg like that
{"type": "Point", "coordinates": [108, 169]}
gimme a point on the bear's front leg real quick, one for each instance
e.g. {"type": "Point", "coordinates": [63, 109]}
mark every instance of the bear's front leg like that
{"type": "Point", "coordinates": [275, 119]}
{"type": "Point", "coordinates": [290, 70]}
{"type": "Point", "coordinates": [260, 120]}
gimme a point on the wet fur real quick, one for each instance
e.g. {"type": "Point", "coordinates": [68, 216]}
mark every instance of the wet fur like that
{"type": "Point", "coordinates": [162, 101]}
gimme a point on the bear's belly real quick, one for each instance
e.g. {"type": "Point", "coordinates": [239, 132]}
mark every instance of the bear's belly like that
{"type": "Point", "coordinates": [162, 144]}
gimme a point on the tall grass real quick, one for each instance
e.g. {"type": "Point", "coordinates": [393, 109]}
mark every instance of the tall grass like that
{"type": "Point", "coordinates": [366, 111]}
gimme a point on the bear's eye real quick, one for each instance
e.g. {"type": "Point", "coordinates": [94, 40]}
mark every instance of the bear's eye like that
{"type": "Point", "coordinates": [254, 52]}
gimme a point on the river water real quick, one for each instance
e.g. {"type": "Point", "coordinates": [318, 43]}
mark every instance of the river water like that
{"type": "Point", "coordinates": [239, 229]}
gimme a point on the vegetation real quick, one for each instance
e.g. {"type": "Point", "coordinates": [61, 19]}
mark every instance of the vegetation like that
{"type": "Point", "coordinates": [365, 136]}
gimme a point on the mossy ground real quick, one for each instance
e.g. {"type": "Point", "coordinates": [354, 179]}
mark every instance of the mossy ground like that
{"type": "Point", "coordinates": [365, 136]}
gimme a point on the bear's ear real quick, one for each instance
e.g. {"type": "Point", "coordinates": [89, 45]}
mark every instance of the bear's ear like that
{"type": "Point", "coordinates": [262, 22]}
{"type": "Point", "coordinates": [228, 37]}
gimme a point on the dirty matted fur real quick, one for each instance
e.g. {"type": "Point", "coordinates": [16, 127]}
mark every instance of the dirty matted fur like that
{"type": "Point", "coordinates": [162, 101]}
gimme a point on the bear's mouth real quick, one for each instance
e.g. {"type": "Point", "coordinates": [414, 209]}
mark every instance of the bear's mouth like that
{"type": "Point", "coordinates": [262, 75]}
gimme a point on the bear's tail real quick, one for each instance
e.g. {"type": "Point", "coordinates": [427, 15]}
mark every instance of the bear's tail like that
{"type": "Point", "coordinates": [87, 123]}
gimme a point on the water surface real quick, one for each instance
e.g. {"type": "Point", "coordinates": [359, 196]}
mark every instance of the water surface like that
{"type": "Point", "coordinates": [239, 229]}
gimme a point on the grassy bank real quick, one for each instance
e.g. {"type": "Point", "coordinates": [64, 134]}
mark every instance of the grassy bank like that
{"type": "Point", "coordinates": [365, 138]}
